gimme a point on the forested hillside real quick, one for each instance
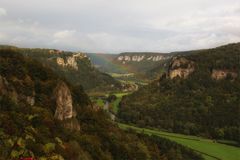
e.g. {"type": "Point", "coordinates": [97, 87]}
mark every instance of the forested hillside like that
{"type": "Point", "coordinates": [45, 117]}
{"type": "Point", "coordinates": [74, 67]}
{"type": "Point", "coordinates": [198, 95]}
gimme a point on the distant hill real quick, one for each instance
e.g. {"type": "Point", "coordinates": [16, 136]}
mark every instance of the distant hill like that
{"type": "Point", "coordinates": [141, 61]}
{"type": "Point", "coordinates": [74, 67]}
{"type": "Point", "coordinates": [140, 64]}
{"type": "Point", "coordinates": [198, 95]}
{"type": "Point", "coordinates": [105, 62]}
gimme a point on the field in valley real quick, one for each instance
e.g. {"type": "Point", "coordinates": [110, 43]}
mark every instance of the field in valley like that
{"type": "Point", "coordinates": [210, 149]}
{"type": "Point", "coordinates": [117, 101]}
{"type": "Point", "coordinates": [114, 105]}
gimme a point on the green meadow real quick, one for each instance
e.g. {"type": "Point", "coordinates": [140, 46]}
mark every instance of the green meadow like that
{"type": "Point", "coordinates": [209, 149]}
{"type": "Point", "coordinates": [115, 104]}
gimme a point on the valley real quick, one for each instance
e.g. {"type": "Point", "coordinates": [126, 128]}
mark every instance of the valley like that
{"type": "Point", "coordinates": [120, 80]}
{"type": "Point", "coordinates": [210, 149]}
{"type": "Point", "coordinates": [138, 117]}
{"type": "Point", "coordinates": [42, 116]}
{"type": "Point", "coordinates": [133, 66]}
{"type": "Point", "coordinates": [182, 111]}
{"type": "Point", "coordinates": [215, 150]}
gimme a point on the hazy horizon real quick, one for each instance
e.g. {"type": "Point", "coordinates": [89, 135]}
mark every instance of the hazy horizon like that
{"type": "Point", "coordinates": [69, 50]}
{"type": "Point", "coordinates": [101, 26]}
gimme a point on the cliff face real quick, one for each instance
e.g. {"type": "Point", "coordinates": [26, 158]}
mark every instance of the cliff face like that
{"type": "Point", "coordinates": [7, 90]}
{"type": "Point", "coordinates": [222, 74]}
{"type": "Point", "coordinates": [31, 99]}
{"type": "Point", "coordinates": [180, 67]}
{"type": "Point", "coordinates": [64, 102]}
{"type": "Point", "coordinates": [64, 107]}
{"type": "Point", "coordinates": [141, 57]}
{"type": "Point", "coordinates": [70, 61]}
{"type": "Point", "coordinates": [73, 66]}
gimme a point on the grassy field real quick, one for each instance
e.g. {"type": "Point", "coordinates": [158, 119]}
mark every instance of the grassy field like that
{"type": "Point", "coordinates": [117, 101]}
{"type": "Point", "coordinates": [208, 148]}
{"type": "Point", "coordinates": [117, 75]}
{"type": "Point", "coordinates": [100, 102]}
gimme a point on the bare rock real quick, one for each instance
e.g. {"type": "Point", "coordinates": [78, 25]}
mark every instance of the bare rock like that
{"type": "Point", "coordinates": [7, 89]}
{"type": "Point", "coordinates": [139, 58]}
{"type": "Point", "coordinates": [180, 67]}
{"type": "Point", "coordinates": [64, 107]}
{"type": "Point", "coordinates": [71, 61]}
{"type": "Point", "coordinates": [222, 74]}
{"type": "Point", "coordinates": [64, 102]}
{"type": "Point", "coordinates": [31, 99]}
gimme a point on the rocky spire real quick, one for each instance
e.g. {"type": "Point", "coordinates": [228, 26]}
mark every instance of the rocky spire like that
{"type": "Point", "coordinates": [64, 107]}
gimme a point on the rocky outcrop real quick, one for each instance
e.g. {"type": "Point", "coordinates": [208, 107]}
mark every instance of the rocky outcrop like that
{"type": "Point", "coordinates": [53, 51]}
{"type": "Point", "coordinates": [64, 107]}
{"type": "Point", "coordinates": [96, 107]}
{"type": "Point", "coordinates": [180, 67]}
{"type": "Point", "coordinates": [129, 87]}
{"type": "Point", "coordinates": [7, 89]}
{"type": "Point", "coordinates": [70, 61]}
{"type": "Point", "coordinates": [218, 74]}
{"type": "Point", "coordinates": [60, 62]}
{"type": "Point", "coordinates": [138, 58]}
{"type": "Point", "coordinates": [31, 99]}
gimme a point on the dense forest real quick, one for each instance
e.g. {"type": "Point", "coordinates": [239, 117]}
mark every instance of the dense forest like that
{"type": "Point", "coordinates": [206, 103]}
{"type": "Point", "coordinates": [29, 128]}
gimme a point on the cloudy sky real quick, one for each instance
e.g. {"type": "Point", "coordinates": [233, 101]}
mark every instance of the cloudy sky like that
{"type": "Point", "coordinates": [119, 25]}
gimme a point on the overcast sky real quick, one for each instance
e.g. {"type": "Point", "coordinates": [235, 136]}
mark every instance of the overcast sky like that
{"type": "Point", "coordinates": [119, 25]}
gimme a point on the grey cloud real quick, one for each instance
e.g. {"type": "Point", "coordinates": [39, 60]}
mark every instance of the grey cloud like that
{"type": "Point", "coordinates": [3, 12]}
{"type": "Point", "coordinates": [120, 25]}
